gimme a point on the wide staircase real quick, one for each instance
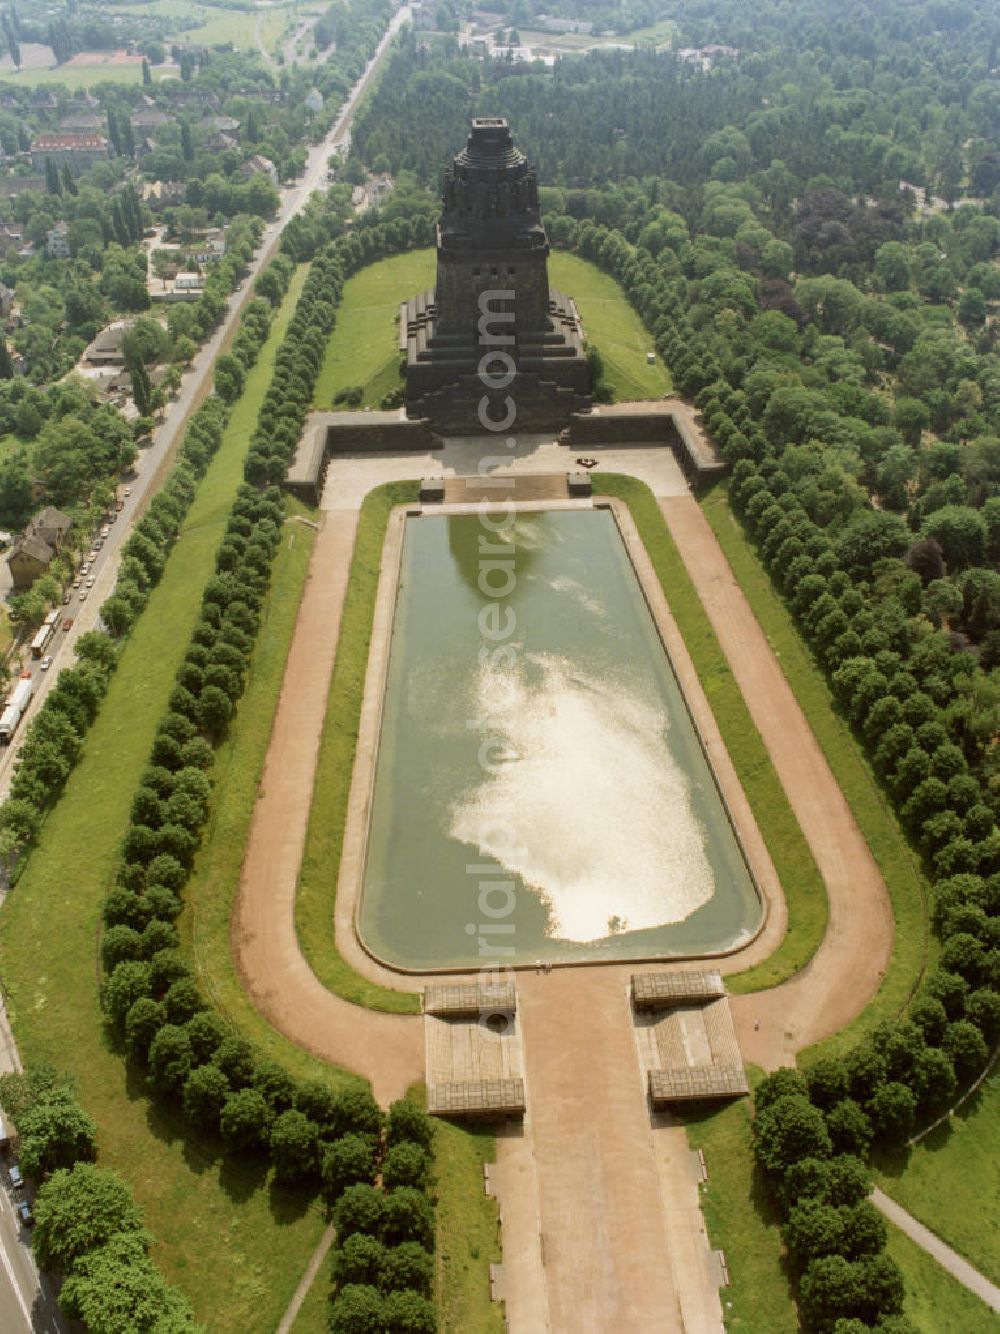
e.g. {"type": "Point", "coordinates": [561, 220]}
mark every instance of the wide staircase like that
{"type": "Point", "coordinates": [500, 488]}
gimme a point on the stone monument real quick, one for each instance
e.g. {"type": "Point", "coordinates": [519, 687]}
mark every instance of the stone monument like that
{"type": "Point", "coordinates": [493, 343]}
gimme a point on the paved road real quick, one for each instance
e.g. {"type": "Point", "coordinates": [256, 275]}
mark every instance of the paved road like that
{"type": "Point", "coordinates": [947, 1258]}
{"type": "Point", "coordinates": [155, 459]}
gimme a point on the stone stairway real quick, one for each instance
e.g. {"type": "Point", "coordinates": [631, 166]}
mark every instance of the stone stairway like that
{"type": "Point", "coordinates": [500, 488]}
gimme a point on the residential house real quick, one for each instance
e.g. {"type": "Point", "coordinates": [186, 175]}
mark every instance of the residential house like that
{"type": "Point", "coordinates": [76, 151]}
{"type": "Point", "coordinates": [107, 348]}
{"type": "Point", "coordinates": [210, 248]}
{"type": "Point", "coordinates": [163, 194]}
{"type": "Point", "coordinates": [29, 558]}
{"type": "Point", "coordinates": [83, 122]}
{"type": "Point", "coordinates": [149, 118]}
{"type": "Point", "coordinates": [260, 163]}
{"type": "Point", "coordinates": [33, 552]}
{"type": "Point", "coordinates": [57, 241]}
{"type": "Point", "coordinates": [51, 525]}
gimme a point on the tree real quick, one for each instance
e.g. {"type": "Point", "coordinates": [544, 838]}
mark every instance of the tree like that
{"type": "Point", "coordinates": [360, 1259]}
{"type": "Point", "coordinates": [78, 1209]}
{"type": "Point", "coordinates": [116, 1289]}
{"type": "Point", "coordinates": [892, 1111]}
{"type": "Point", "coordinates": [294, 1147]}
{"type": "Point", "coordinates": [961, 533]}
{"type": "Point", "coordinates": [205, 1092]}
{"type": "Point", "coordinates": [964, 1043]}
{"type": "Point", "coordinates": [406, 1165]}
{"type": "Point", "coordinates": [229, 378]}
{"type": "Point", "coordinates": [788, 1129]}
{"type": "Point", "coordinates": [55, 1132]}
{"type": "Point", "coordinates": [408, 1122]}
{"type": "Point", "coordinates": [360, 1208]}
{"type": "Point", "coordinates": [147, 75]}
{"type": "Point", "coordinates": [347, 1162]}
{"type": "Point", "coordinates": [850, 1130]}
{"type": "Point", "coordinates": [246, 1120]}
{"type": "Point", "coordinates": [407, 1312]}
{"type": "Point", "coordinates": [407, 1216]}
{"type": "Point", "coordinates": [871, 536]}
{"type": "Point", "coordinates": [406, 1266]}
{"type": "Point", "coordinates": [357, 1309]}
{"type": "Point", "coordinates": [170, 1058]}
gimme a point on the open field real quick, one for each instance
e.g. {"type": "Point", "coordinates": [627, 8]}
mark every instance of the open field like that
{"type": "Point", "coordinates": [85, 76]}
{"type": "Point", "coordinates": [950, 1181]}
{"type": "Point", "coordinates": [362, 350]}
{"type": "Point", "coordinates": [936, 1303]}
{"type": "Point", "coordinates": [912, 945]}
{"type": "Point", "coordinates": [742, 1220]}
{"type": "Point", "coordinates": [314, 903]}
{"type": "Point", "coordinates": [803, 888]}
{"type": "Point", "coordinates": [612, 326]}
{"type": "Point", "coordinates": [193, 1200]}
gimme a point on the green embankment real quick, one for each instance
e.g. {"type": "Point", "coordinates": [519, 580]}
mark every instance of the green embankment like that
{"type": "Point", "coordinates": [363, 350]}
{"type": "Point", "coordinates": [210, 894]}
{"type": "Point", "coordinates": [197, 1204]}
{"type": "Point", "coordinates": [324, 840]}
{"type": "Point", "coordinates": [742, 1221]}
{"type": "Point", "coordinates": [793, 861]}
{"type": "Point", "coordinates": [613, 327]}
{"type": "Point", "coordinates": [897, 862]}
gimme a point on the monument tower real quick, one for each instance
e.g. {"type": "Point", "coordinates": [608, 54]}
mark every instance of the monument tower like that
{"type": "Point", "coordinates": [492, 292]}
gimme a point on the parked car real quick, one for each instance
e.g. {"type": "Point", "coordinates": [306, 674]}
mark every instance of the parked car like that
{"type": "Point", "coordinates": [45, 663]}
{"type": "Point", "coordinates": [68, 623]}
{"type": "Point", "coordinates": [83, 594]}
{"type": "Point", "coordinates": [90, 580]}
{"type": "Point", "coordinates": [66, 597]}
{"type": "Point", "coordinates": [16, 1179]}
{"type": "Point", "coordinates": [24, 1213]}
{"type": "Point", "coordinates": [127, 491]}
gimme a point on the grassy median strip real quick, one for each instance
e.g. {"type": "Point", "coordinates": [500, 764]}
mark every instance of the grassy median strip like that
{"type": "Point", "coordinates": [211, 891]}
{"type": "Point", "coordinates": [196, 1204]}
{"type": "Point", "coordinates": [314, 903]}
{"type": "Point", "coordinates": [742, 1220]}
{"type": "Point", "coordinates": [900, 867]}
{"type": "Point", "coordinates": [803, 886]}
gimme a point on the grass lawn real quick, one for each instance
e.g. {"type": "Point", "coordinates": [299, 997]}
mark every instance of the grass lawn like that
{"type": "Point", "coordinates": [314, 902]}
{"type": "Point", "coordinates": [613, 327]}
{"type": "Point", "coordinates": [936, 1303]}
{"type": "Point", "coordinates": [896, 860]}
{"type": "Point", "coordinates": [363, 347]}
{"type": "Point", "coordinates": [804, 891]}
{"type": "Point", "coordinates": [742, 1221]}
{"type": "Point", "coordinates": [199, 1206]}
{"type": "Point", "coordinates": [951, 1179]}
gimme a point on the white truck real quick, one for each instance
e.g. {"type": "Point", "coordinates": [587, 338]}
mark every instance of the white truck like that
{"type": "Point", "coordinates": [16, 705]}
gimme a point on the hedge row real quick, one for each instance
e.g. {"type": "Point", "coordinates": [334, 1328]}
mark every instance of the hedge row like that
{"type": "Point", "coordinates": [317, 1139]}
{"type": "Point", "coordinates": [87, 1226]}
{"type": "Point", "coordinates": [54, 738]}
{"type": "Point", "coordinates": [894, 677]}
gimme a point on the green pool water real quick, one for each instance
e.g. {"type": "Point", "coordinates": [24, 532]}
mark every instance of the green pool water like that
{"type": "Point", "coordinates": [542, 795]}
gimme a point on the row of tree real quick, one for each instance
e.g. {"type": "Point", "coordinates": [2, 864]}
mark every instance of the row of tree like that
{"type": "Point", "coordinates": [894, 676]}
{"type": "Point", "coordinates": [88, 1229]}
{"type": "Point", "coordinates": [313, 1137]}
